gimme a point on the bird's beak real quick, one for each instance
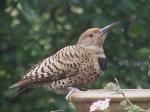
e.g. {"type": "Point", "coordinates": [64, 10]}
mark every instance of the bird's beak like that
{"type": "Point", "coordinates": [108, 28]}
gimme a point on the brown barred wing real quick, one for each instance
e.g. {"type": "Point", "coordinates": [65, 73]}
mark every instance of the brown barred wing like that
{"type": "Point", "coordinates": [65, 63]}
{"type": "Point", "coordinates": [61, 69]}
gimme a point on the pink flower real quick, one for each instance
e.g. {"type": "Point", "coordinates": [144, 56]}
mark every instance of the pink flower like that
{"type": "Point", "coordinates": [100, 105]}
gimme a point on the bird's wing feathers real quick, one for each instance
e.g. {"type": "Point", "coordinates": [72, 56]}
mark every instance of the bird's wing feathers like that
{"type": "Point", "coordinates": [62, 68]}
{"type": "Point", "coordinates": [63, 64]}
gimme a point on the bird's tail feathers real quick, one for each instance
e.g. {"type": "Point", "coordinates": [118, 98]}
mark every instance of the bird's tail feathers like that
{"type": "Point", "coordinates": [21, 88]}
{"type": "Point", "coordinates": [22, 91]}
{"type": "Point", "coordinates": [20, 84]}
{"type": "Point", "coordinates": [15, 85]}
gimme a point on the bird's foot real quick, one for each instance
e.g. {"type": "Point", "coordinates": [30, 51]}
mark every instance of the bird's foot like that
{"type": "Point", "coordinates": [82, 89]}
{"type": "Point", "coordinates": [71, 90]}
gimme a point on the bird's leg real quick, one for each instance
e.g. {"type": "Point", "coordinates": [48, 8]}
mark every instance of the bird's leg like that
{"type": "Point", "coordinates": [71, 90]}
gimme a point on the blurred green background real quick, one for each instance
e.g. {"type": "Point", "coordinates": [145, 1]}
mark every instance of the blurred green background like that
{"type": "Point", "coordinates": [31, 30]}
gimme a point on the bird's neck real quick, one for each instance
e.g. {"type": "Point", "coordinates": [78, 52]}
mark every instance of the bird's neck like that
{"type": "Point", "coordinates": [94, 49]}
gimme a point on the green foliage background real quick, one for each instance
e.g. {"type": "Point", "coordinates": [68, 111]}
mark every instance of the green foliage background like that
{"type": "Point", "coordinates": [31, 30]}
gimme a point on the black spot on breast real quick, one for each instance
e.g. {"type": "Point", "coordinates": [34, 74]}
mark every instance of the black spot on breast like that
{"type": "Point", "coordinates": [102, 63]}
{"type": "Point", "coordinates": [95, 72]}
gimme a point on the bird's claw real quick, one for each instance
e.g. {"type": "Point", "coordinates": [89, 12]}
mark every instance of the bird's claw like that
{"type": "Point", "coordinates": [71, 91]}
{"type": "Point", "coordinates": [82, 89]}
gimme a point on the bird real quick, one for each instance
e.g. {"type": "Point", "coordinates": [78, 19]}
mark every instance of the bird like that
{"type": "Point", "coordinates": [71, 67]}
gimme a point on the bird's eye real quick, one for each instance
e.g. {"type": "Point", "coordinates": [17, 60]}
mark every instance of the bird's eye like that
{"type": "Point", "coordinates": [91, 35]}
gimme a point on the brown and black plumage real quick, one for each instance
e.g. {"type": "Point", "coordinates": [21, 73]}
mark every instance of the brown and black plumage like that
{"type": "Point", "coordinates": [72, 66]}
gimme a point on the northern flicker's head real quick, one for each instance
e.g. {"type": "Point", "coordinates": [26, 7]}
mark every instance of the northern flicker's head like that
{"type": "Point", "coordinates": [93, 38]}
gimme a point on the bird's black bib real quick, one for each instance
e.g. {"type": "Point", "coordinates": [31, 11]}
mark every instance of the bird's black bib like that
{"type": "Point", "coordinates": [102, 63]}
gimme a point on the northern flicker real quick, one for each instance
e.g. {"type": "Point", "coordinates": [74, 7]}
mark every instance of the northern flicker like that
{"type": "Point", "coordinates": [72, 66]}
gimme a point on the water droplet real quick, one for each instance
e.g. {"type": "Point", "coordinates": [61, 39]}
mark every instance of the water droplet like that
{"type": "Point", "coordinates": [131, 44]}
{"type": "Point", "coordinates": [122, 30]}
{"type": "Point", "coordinates": [138, 64]}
